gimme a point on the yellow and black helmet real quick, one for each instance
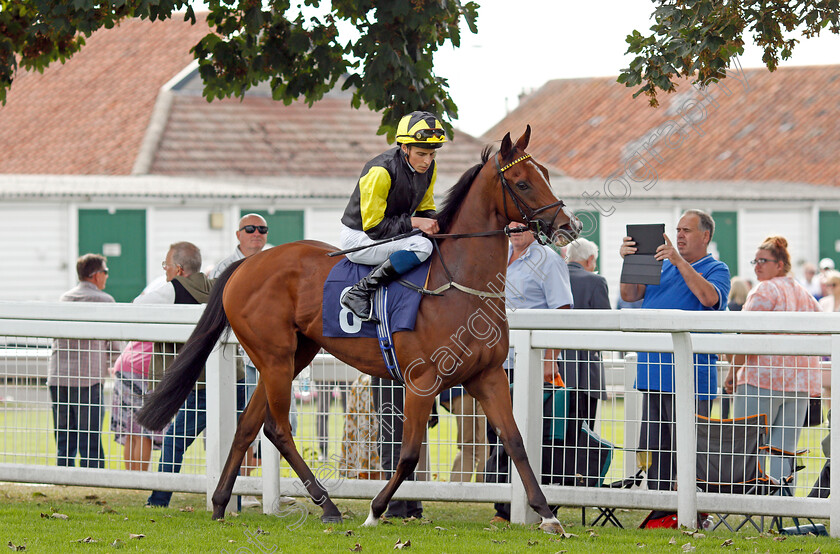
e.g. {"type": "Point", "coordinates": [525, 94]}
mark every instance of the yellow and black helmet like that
{"type": "Point", "coordinates": [421, 129]}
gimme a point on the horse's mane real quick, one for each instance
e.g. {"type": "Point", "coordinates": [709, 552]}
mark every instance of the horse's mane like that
{"type": "Point", "coordinates": [455, 196]}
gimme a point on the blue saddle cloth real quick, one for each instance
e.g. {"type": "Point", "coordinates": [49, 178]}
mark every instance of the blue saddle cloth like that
{"type": "Point", "coordinates": [402, 304]}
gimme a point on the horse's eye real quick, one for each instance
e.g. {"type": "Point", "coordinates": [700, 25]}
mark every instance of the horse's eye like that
{"type": "Point", "coordinates": [522, 185]}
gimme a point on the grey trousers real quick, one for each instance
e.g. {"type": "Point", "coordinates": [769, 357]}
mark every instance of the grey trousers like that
{"type": "Point", "coordinates": [785, 416]}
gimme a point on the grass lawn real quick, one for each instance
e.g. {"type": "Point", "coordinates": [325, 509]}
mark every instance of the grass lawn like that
{"type": "Point", "coordinates": [105, 519]}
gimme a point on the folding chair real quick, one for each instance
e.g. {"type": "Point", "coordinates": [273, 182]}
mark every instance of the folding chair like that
{"type": "Point", "coordinates": [729, 454]}
{"type": "Point", "coordinates": [607, 515]}
{"type": "Point", "coordinates": [785, 490]}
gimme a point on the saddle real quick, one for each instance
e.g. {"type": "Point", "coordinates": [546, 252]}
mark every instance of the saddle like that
{"type": "Point", "coordinates": [395, 305]}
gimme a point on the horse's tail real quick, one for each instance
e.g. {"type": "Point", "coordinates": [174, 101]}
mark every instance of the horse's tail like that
{"type": "Point", "coordinates": [166, 399]}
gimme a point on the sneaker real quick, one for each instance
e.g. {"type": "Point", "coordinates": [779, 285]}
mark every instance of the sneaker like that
{"type": "Point", "coordinates": [250, 502]}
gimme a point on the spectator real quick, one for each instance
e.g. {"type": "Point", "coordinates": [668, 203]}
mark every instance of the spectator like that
{"type": "Point", "coordinates": [691, 279]}
{"type": "Point", "coordinates": [185, 284]}
{"type": "Point", "coordinates": [472, 437]}
{"type": "Point", "coordinates": [739, 289]}
{"type": "Point", "coordinates": [359, 448]}
{"type": "Point", "coordinates": [831, 301]}
{"type": "Point", "coordinates": [252, 234]}
{"type": "Point", "coordinates": [779, 386]}
{"type": "Point", "coordinates": [810, 280]}
{"type": "Point", "coordinates": [131, 372]}
{"type": "Point", "coordinates": [76, 372]}
{"type": "Point", "coordinates": [537, 278]}
{"type": "Point", "coordinates": [582, 370]}
{"type": "Point", "coordinates": [389, 403]}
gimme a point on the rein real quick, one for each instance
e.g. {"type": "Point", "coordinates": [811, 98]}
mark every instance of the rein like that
{"type": "Point", "coordinates": [533, 225]}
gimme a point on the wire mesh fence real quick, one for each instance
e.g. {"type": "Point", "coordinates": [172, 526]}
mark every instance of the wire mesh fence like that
{"type": "Point", "coordinates": [596, 424]}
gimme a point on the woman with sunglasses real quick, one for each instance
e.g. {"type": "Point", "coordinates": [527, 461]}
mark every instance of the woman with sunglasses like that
{"type": "Point", "coordinates": [394, 195]}
{"type": "Point", "coordinates": [776, 385]}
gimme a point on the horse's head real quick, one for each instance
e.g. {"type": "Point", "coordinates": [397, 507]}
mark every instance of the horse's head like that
{"type": "Point", "coordinates": [527, 196]}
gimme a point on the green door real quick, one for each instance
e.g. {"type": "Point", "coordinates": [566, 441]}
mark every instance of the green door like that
{"type": "Point", "coordinates": [726, 238]}
{"type": "Point", "coordinates": [121, 237]}
{"type": "Point", "coordinates": [830, 235]}
{"type": "Point", "coordinates": [283, 226]}
{"type": "Point", "coordinates": [591, 229]}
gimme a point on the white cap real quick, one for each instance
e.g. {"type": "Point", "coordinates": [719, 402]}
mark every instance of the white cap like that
{"type": "Point", "coordinates": [826, 263]}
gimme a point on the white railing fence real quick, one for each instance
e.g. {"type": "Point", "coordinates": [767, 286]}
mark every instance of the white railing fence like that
{"type": "Point", "coordinates": [27, 450]}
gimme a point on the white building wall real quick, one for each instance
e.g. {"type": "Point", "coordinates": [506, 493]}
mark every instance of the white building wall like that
{"type": "Point", "coordinates": [754, 225]}
{"type": "Point", "coordinates": [37, 263]}
{"type": "Point", "coordinates": [323, 224]}
{"type": "Point", "coordinates": [165, 226]}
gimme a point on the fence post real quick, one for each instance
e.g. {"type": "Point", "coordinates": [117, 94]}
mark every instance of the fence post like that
{"type": "Point", "coordinates": [221, 415]}
{"type": "Point", "coordinates": [686, 430]}
{"type": "Point", "coordinates": [632, 414]}
{"type": "Point", "coordinates": [834, 496]}
{"type": "Point", "coordinates": [528, 413]}
{"type": "Point", "coordinates": [270, 474]}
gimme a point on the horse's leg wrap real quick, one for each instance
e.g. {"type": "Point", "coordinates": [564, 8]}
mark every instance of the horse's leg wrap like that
{"type": "Point", "coordinates": [371, 521]}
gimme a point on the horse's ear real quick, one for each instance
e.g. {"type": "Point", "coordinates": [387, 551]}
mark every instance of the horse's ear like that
{"type": "Point", "coordinates": [522, 143]}
{"type": "Point", "coordinates": [506, 147]}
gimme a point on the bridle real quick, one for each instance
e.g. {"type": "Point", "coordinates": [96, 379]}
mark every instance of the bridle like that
{"type": "Point", "coordinates": [536, 226]}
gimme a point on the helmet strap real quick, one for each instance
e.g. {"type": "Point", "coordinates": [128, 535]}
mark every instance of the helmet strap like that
{"type": "Point", "coordinates": [406, 149]}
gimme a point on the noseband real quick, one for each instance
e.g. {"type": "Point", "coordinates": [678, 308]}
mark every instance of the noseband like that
{"type": "Point", "coordinates": [536, 226]}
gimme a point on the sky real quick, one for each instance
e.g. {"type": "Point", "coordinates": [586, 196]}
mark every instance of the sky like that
{"type": "Point", "coordinates": [523, 44]}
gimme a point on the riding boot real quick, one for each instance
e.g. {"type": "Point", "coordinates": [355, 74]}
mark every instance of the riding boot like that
{"type": "Point", "coordinates": [359, 298]}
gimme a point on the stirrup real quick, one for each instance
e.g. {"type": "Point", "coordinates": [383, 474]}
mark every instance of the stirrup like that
{"type": "Point", "coordinates": [353, 309]}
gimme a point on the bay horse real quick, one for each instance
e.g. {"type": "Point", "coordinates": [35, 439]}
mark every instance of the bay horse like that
{"type": "Point", "coordinates": [273, 303]}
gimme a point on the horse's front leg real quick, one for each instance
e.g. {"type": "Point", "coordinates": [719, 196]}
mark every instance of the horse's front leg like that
{"type": "Point", "coordinates": [279, 432]}
{"type": "Point", "coordinates": [491, 389]}
{"type": "Point", "coordinates": [246, 430]}
{"type": "Point", "coordinates": [416, 416]}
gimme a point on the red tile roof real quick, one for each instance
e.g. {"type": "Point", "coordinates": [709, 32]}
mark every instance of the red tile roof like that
{"type": "Point", "coordinates": [89, 115]}
{"type": "Point", "coordinates": [262, 137]}
{"type": "Point", "coordinates": [781, 126]}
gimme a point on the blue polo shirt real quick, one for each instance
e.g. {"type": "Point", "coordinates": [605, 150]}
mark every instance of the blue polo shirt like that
{"type": "Point", "coordinates": [655, 370]}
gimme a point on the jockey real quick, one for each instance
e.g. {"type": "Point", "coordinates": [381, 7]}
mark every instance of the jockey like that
{"type": "Point", "coordinates": [394, 195]}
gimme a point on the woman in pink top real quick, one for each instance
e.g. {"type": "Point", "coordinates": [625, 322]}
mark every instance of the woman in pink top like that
{"type": "Point", "coordinates": [131, 372]}
{"type": "Point", "coordinates": [776, 385]}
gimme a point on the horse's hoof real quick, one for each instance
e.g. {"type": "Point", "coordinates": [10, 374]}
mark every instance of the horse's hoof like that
{"type": "Point", "coordinates": [331, 519]}
{"type": "Point", "coordinates": [371, 521]}
{"type": "Point", "coordinates": [551, 526]}
{"type": "Point", "coordinates": [218, 514]}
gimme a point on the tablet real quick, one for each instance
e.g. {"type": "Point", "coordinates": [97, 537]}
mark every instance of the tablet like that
{"type": "Point", "coordinates": [643, 268]}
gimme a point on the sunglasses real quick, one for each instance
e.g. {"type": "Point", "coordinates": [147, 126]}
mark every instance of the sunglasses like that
{"type": "Point", "coordinates": [761, 261]}
{"type": "Point", "coordinates": [105, 271]}
{"type": "Point", "coordinates": [263, 229]}
{"type": "Point", "coordinates": [428, 133]}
